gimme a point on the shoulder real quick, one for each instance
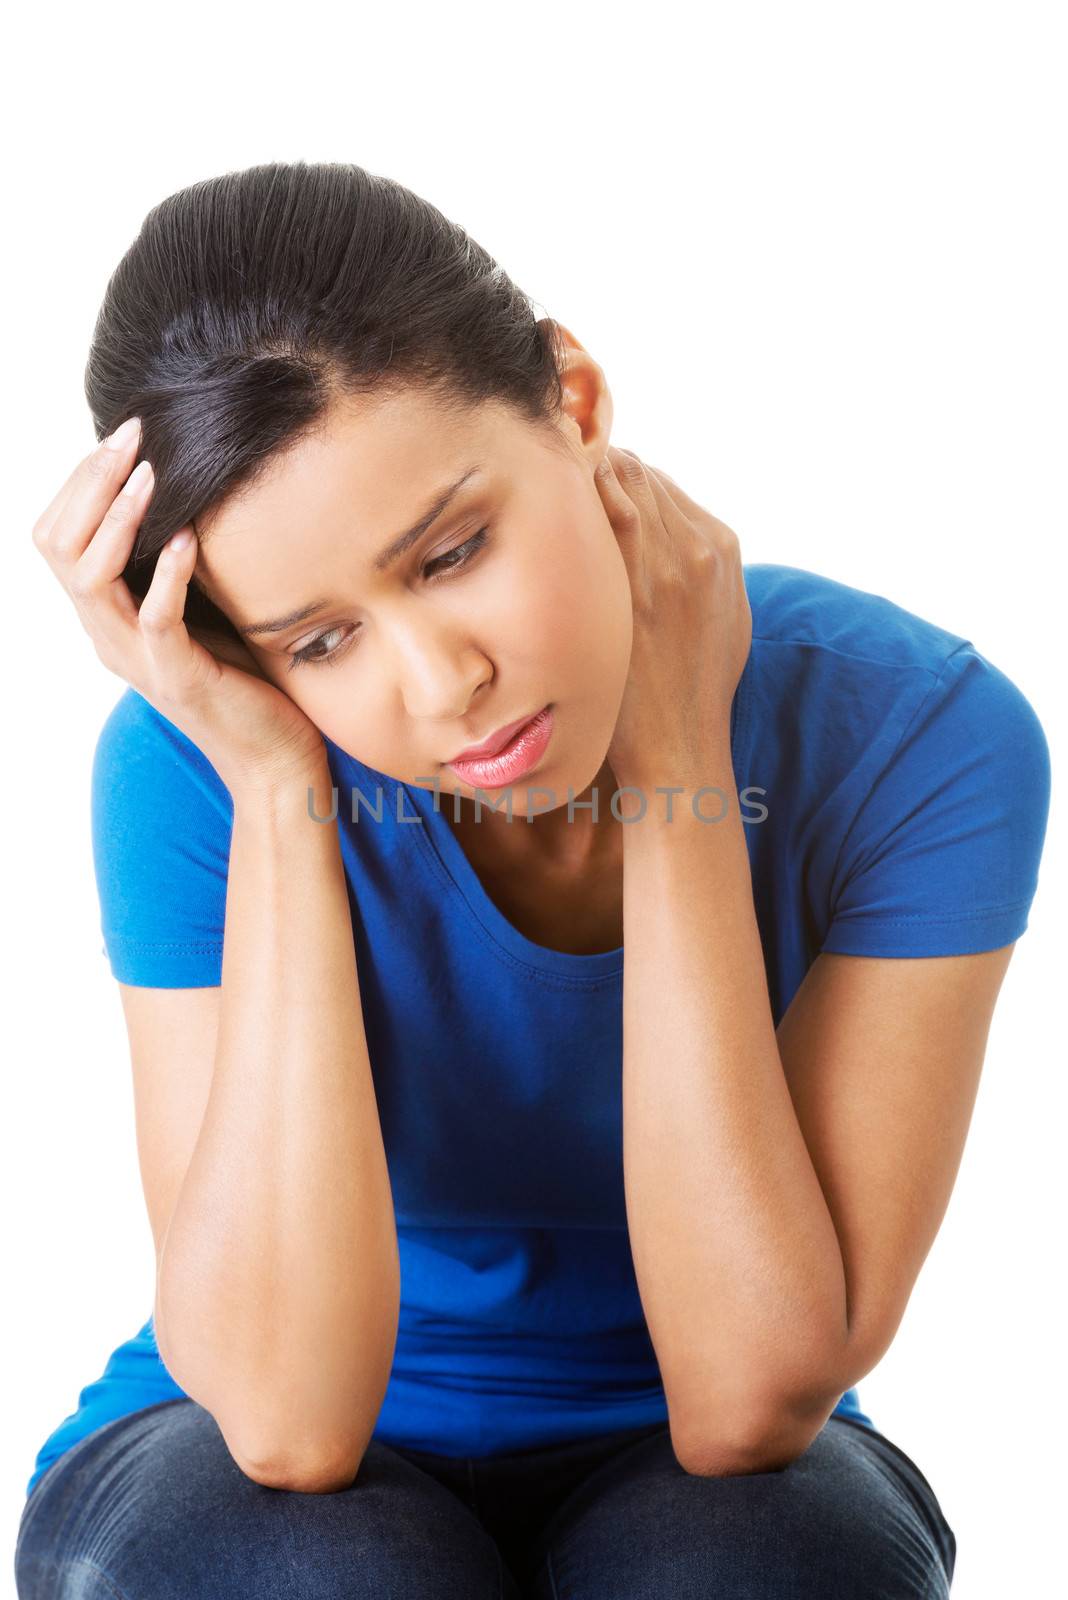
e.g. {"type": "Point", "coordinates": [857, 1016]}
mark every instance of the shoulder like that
{"type": "Point", "coordinates": [861, 712]}
{"type": "Point", "coordinates": [818, 642]}
{"type": "Point", "coordinates": [807, 611]}
{"type": "Point", "coordinates": [142, 756]}
{"type": "Point", "coordinates": [161, 822]}
{"type": "Point", "coordinates": [906, 776]}
{"type": "Point", "coordinates": [857, 671]}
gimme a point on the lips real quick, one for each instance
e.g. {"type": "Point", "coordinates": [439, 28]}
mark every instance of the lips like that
{"type": "Point", "coordinates": [519, 756]}
{"type": "Point", "coordinates": [495, 742]}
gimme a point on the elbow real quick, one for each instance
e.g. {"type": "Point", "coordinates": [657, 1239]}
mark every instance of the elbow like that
{"type": "Point", "coordinates": [325, 1470]}
{"type": "Point", "coordinates": [325, 1474]}
{"type": "Point", "coordinates": [758, 1439]}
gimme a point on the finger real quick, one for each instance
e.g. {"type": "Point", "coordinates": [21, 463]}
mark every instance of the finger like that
{"type": "Point", "coordinates": [229, 649]}
{"type": "Point", "coordinates": [628, 524]}
{"type": "Point", "coordinates": [42, 528]}
{"type": "Point", "coordinates": [173, 654]}
{"type": "Point", "coordinates": [678, 494]}
{"type": "Point", "coordinates": [622, 511]}
{"type": "Point", "coordinates": [692, 508]}
{"type": "Point", "coordinates": [77, 511]}
{"type": "Point", "coordinates": [661, 490]}
{"type": "Point", "coordinates": [671, 495]}
{"type": "Point", "coordinates": [668, 494]}
{"type": "Point", "coordinates": [94, 580]}
{"type": "Point", "coordinates": [660, 516]}
{"type": "Point", "coordinates": [638, 487]}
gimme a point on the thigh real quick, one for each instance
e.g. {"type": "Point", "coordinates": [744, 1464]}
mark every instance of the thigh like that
{"type": "Point", "coordinates": [152, 1506]}
{"type": "Point", "coordinates": [852, 1518]}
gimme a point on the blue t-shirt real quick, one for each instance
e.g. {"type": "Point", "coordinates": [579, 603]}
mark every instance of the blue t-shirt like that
{"type": "Point", "coordinates": [895, 786]}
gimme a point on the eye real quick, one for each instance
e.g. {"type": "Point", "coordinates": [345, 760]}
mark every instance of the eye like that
{"type": "Point", "coordinates": [451, 561]}
{"type": "Point", "coordinates": [307, 656]}
{"type": "Point", "coordinates": [459, 556]}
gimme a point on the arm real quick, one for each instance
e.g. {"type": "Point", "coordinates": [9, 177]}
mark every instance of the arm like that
{"type": "Point", "coordinates": [782, 1191]}
{"type": "Point", "coordinates": [277, 1293]}
{"type": "Point", "coordinates": [278, 1287]}
{"type": "Point", "coordinates": [736, 1256]}
{"type": "Point", "coordinates": [783, 1188]}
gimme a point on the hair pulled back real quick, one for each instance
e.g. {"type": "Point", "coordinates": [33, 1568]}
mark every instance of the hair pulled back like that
{"type": "Point", "coordinates": [249, 303]}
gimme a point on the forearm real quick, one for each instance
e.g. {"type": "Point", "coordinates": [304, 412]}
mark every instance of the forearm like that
{"type": "Point", "coordinates": [737, 1260]}
{"type": "Point", "coordinates": [278, 1293]}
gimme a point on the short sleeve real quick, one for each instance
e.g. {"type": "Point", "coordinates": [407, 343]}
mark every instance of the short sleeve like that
{"type": "Point", "coordinates": [161, 825]}
{"type": "Point", "coordinates": [942, 856]}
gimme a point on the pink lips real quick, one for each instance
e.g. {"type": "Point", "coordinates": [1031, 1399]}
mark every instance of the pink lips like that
{"type": "Point", "coordinates": [494, 744]}
{"type": "Point", "coordinates": [524, 748]}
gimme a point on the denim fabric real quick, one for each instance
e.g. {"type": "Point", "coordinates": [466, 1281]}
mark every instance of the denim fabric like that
{"type": "Point", "coordinates": [151, 1506]}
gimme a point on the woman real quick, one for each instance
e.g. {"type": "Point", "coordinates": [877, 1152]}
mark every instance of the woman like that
{"type": "Point", "coordinates": [485, 1265]}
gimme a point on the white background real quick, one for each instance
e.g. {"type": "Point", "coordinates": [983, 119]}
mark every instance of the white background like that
{"type": "Point", "coordinates": [820, 253]}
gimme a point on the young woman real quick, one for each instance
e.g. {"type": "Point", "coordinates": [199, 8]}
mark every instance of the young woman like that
{"type": "Point", "coordinates": [487, 1263]}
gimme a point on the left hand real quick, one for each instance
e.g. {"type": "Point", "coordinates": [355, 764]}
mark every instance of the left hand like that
{"type": "Point", "coordinates": [693, 628]}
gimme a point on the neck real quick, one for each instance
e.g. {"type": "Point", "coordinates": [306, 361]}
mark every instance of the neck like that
{"type": "Point", "coordinates": [551, 836]}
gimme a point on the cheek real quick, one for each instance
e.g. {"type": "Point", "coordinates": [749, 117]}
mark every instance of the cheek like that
{"type": "Point", "coordinates": [564, 598]}
{"type": "Point", "coordinates": [345, 713]}
{"type": "Point", "coordinates": [583, 613]}
{"type": "Point", "coordinates": [370, 739]}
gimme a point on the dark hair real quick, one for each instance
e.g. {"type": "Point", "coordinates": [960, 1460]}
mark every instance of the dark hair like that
{"type": "Point", "coordinates": [250, 303]}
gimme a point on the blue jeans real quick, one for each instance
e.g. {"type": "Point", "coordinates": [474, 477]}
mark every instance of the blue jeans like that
{"type": "Point", "coordinates": [152, 1506]}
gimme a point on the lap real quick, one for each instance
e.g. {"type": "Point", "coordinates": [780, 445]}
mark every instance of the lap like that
{"type": "Point", "coordinates": [851, 1517]}
{"type": "Point", "coordinates": [153, 1505]}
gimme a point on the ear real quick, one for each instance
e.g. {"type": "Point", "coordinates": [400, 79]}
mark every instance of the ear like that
{"type": "Point", "coordinates": [587, 399]}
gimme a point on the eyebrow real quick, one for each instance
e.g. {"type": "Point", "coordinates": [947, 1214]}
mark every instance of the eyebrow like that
{"type": "Point", "coordinates": [382, 562]}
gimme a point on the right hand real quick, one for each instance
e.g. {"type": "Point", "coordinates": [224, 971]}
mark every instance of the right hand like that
{"type": "Point", "coordinates": [251, 732]}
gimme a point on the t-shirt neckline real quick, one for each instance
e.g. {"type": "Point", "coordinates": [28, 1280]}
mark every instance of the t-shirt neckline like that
{"type": "Point", "coordinates": [437, 837]}
{"type": "Point", "coordinates": [446, 855]}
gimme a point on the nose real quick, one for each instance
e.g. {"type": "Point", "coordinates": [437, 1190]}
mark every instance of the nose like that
{"type": "Point", "coordinates": [439, 672]}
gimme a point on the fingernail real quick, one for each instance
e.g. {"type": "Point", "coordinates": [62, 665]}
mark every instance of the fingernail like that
{"type": "Point", "coordinates": [124, 434]}
{"type": "Point", "coordinates": [138, 478]}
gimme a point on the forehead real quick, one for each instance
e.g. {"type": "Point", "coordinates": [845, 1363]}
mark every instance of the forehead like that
{"type": "Point", "coordinates": [326, 505]}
